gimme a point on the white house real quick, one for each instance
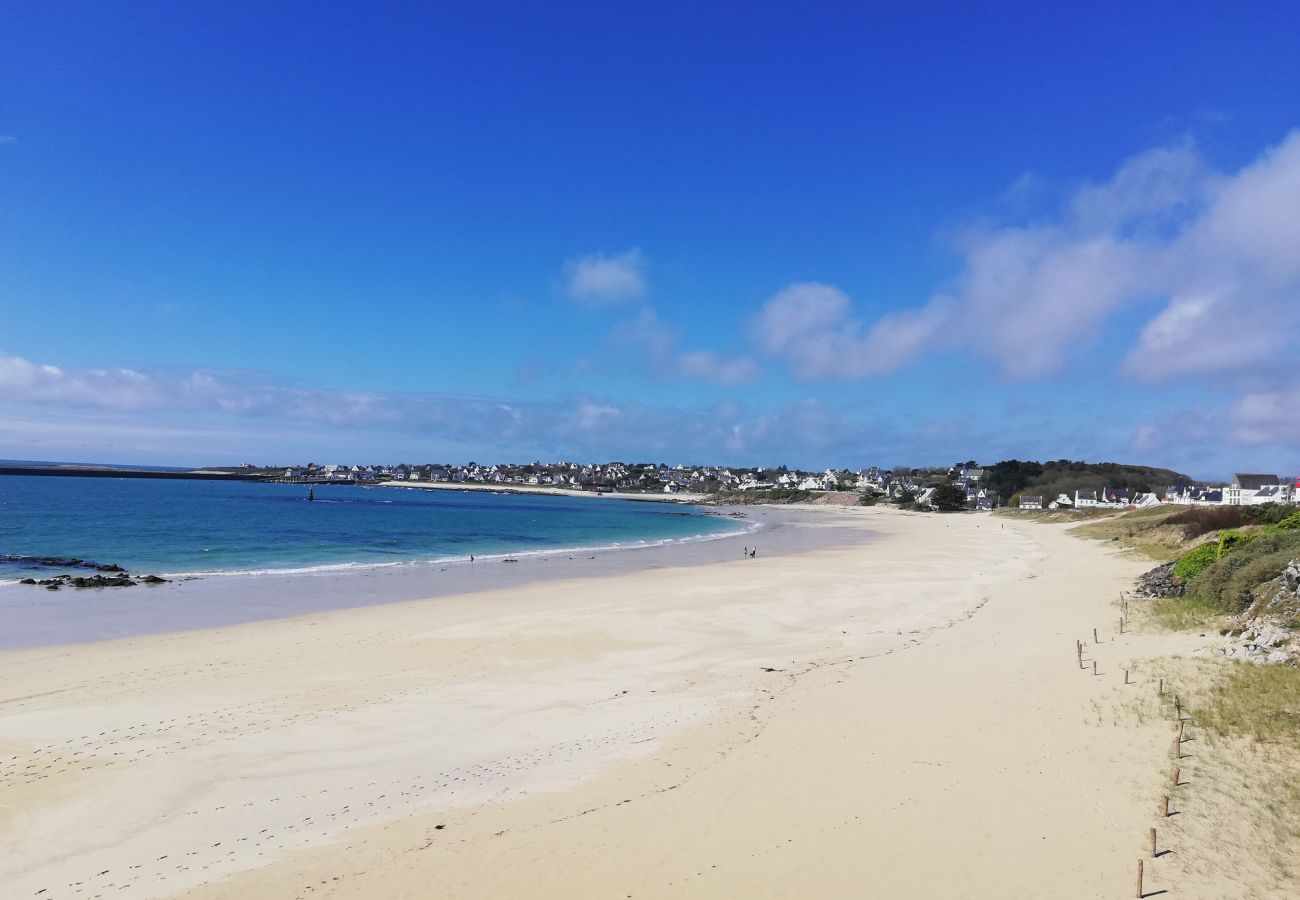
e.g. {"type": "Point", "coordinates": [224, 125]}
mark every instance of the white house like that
{"type": "Point", "coordinates": [1085, 499]}
{"type": "Point", "coordinates": [1031, 502]}
{"type": "Point", "coordinates": [1253, 489]}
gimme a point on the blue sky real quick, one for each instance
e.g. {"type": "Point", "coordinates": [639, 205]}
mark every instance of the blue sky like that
{"type": "Point", "coordinates": [824, 235]}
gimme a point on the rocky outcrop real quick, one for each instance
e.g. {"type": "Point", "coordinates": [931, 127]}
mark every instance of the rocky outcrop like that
{"type": "Point", "coordinates": [123, 579]}
{"type": "Point", "coordinates": [1267, 634]}
{"type": "Point", "coordinates": [1159, 582]}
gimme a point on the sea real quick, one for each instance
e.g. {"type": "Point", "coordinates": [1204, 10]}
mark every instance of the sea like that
{"type": "Point", "coordinates": [183, 528]}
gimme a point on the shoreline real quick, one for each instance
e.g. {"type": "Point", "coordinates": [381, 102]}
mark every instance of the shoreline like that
{"type": "Point", "coordinates": [35, 617]}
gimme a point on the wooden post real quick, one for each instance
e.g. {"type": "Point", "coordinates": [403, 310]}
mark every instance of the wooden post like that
{"type": "Point", "coordinates": [1140, 895]}
{"type": "Point", "coordinates": [1178, 748]}
{"type": "Point", "coordinates": [1126, 676]}
{"type": "Point", "coordinates": [1181, 723]}
{"type": "Point", "coordinates": [1094, 637]}
{"type": "Point", "coordinates": [1177, 780]}
{"type": "Point", "coordinates": [1164, 806]}
{"type": "Point", "coordinates": [1153, 843]}
{"type": "Point", "coordinates": [1121, 624]}
{"type": "Point", "coordinates": [1178, 707]}
{"type": "Point", "coordinates": [1094, 667]}
{"type": "Point", "coordinates": [1161, 690]}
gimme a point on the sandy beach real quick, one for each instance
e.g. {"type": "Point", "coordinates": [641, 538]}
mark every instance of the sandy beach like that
{"type": "Point", "coordinates": [901, 717]}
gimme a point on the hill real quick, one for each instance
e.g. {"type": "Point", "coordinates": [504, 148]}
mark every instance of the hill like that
{"type": "Point", "coordinates": [1062, 476]}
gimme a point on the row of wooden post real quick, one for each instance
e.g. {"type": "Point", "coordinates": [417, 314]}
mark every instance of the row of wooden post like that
{"type": "Point", "coordinates": [1174, 781]}
{"type": "Point", "coordinates": [1178, 738]}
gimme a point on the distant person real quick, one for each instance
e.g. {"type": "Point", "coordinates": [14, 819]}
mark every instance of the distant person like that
{"type": "Point", "coordinates": [744, 551]}
{"type": "Point", "coordinates": [753, 553]}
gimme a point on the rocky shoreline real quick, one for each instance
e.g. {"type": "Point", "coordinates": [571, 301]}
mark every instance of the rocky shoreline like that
{"type": "Point", "coordinates": [116, 575]}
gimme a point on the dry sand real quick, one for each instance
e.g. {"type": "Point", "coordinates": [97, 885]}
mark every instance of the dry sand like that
{"type": "Point", "coordinates": [923, 731]}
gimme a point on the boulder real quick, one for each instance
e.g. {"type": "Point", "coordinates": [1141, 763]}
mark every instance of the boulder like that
{"type": "Point", "coordinates": [1159, 582]}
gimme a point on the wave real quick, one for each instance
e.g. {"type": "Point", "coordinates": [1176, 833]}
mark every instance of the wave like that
{"type": "Point", "coordinates": [334, 568]}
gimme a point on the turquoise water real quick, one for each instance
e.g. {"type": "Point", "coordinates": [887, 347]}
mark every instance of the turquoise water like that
{"type": "Point", "coordinates": [205, 527]}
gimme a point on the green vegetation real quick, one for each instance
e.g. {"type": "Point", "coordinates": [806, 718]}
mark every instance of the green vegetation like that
{"type": "Point", "coordinates": [1196, 561]}
{"type": "Point", "coordinates": [948, 497]}
{"type": "Point", "coordinates": [1230, 583]}
{"type": "Point", "coordinates": [1062, 476]}
{"type": "Point", "coordinates": [774, 495]}
{"type": "Point", "coordinates": [1201, 520]}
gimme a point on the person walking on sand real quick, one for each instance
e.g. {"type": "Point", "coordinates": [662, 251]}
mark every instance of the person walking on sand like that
{"type": "Point", "coordinates": [744, 551]}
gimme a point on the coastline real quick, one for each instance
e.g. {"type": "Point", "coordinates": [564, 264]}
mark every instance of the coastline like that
{"type": "Point", "coordinates": [901, 717]}
{"type": "Point", "coordinates": [35, 617]}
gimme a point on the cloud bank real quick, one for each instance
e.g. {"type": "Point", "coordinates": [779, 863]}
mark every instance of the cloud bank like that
{"type": "Point", "coordinates": [103, 403]}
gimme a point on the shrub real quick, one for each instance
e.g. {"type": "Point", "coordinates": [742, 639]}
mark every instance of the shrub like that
{"type": "Point", "coordinates": [1290, 523]}
{"type": "Point", "coordinates": [1201, 520]}
{"type": "Point", "coordinates": [1230, 582]}
{"type": "Point", "coordinates": [1266, 513]}
{"type": "Point", "coordinates": [1230, 540]}
{"type": "Point", "coordinates": [1196, 561]}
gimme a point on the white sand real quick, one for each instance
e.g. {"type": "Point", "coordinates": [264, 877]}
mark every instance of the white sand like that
{"type": "Point", "coordinates": [927, 733]}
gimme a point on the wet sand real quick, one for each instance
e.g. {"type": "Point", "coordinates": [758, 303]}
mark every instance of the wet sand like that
{"type": "Point", "coordinates": [34, 617]}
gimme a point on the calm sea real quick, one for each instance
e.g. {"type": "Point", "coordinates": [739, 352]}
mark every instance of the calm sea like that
{"type": "Point", "coordinates": [208, 527]}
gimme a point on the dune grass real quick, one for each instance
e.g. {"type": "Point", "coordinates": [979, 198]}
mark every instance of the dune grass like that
{"type": "Point", "coordinates": [1141, 530]}
{"type": "Point", "coordinates": [1188, 613]}
{"type": "Point", "coordinates": [1260, 702]}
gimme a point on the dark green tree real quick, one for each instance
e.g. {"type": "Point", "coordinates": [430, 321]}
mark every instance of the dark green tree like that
{"type": "Point", "coordinates": [948, 497]}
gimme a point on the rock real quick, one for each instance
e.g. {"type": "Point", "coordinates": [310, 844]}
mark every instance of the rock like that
{"type": "Point", "coordinates": [1277, 656]}
{"type": "Point", "coordinates": [98, 581]}
{"type": "Point", "coordinates": [153, 579]}
{"type": "Point", "coordinates": [28, 581]}
{"type": "Point", "coordinates": [1159, 582]}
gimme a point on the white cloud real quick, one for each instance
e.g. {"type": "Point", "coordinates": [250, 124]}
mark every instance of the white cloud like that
{"type": "Point", "coordinates": [811, 326]}
{"type": "Point", "coordinates": [1217, 250]}
{"type": "Point", "coordinates": [606, 279]}
{"type": "Point", "coordinates": [658, 343]}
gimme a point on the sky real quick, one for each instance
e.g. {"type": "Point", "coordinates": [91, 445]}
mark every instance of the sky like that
{"type": "Point", "coordinates": [811, 235]}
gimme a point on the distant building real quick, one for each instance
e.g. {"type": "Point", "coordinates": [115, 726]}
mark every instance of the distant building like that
{"type": "Point", "coordinates": [1085, 499]}
{"type": "Point", "coordinates": [1031, 502]}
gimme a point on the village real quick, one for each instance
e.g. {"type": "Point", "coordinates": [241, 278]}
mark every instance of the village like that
{"type": "Point", "coordinates": [910, 486]}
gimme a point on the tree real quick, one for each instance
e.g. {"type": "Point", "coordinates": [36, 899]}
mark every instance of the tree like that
{"type": "Point", "coordinates": [948, 497]}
